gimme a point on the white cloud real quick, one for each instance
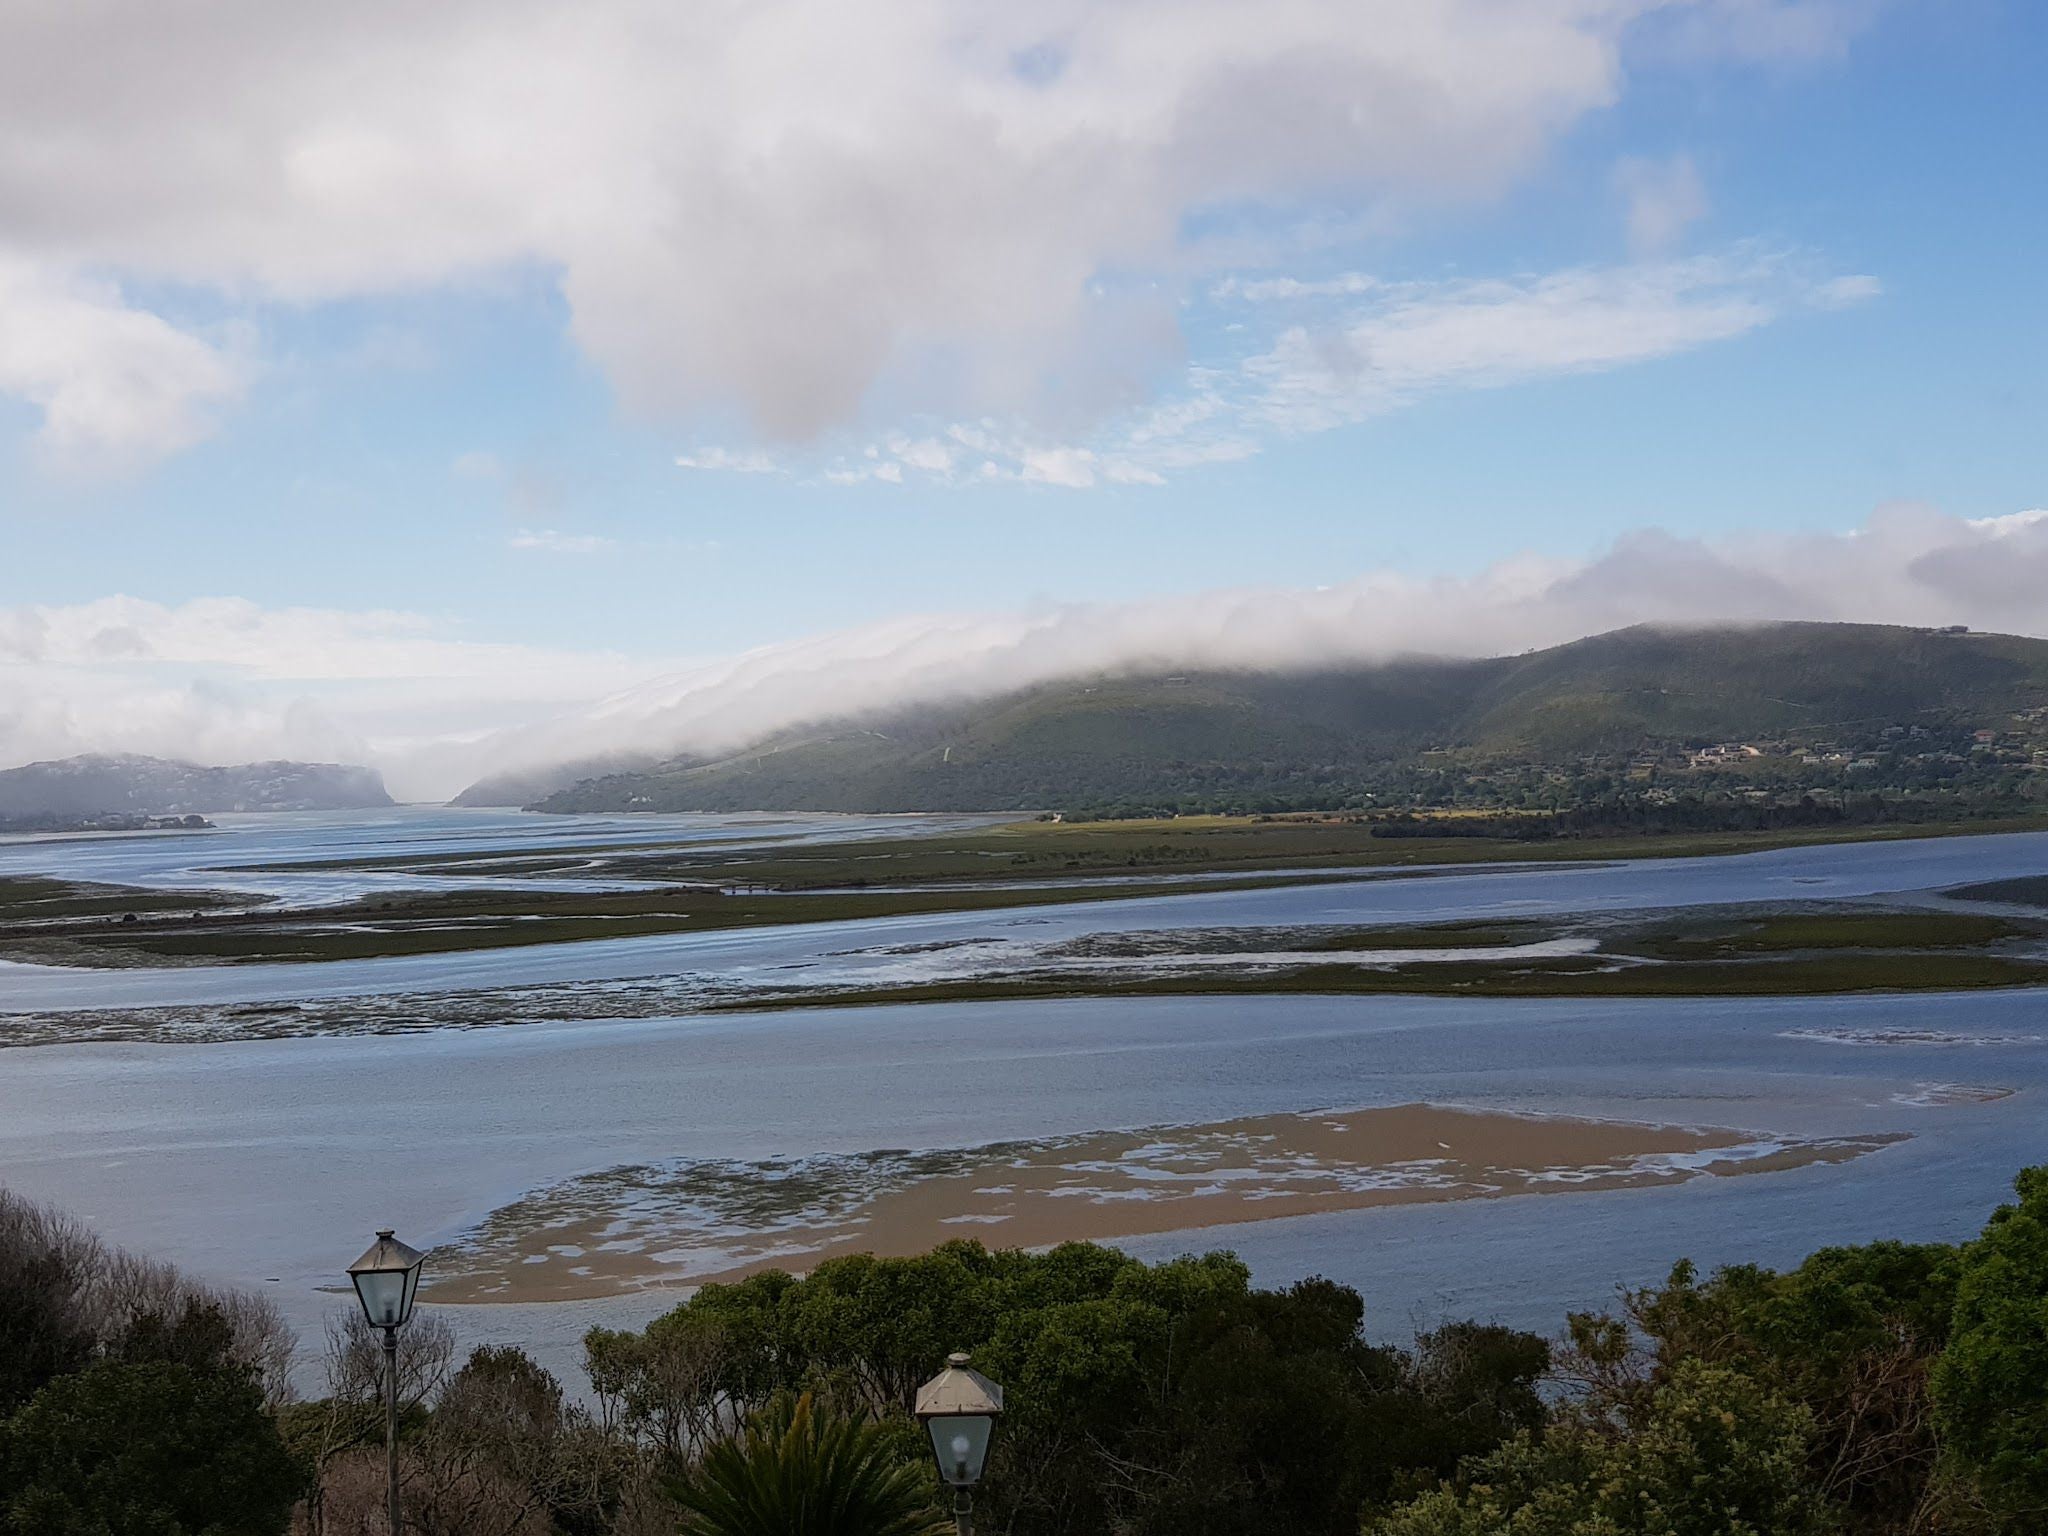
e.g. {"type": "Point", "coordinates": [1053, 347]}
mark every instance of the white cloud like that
{"type": "Point", "coordinates": [1356, 346]}
{"type": "Point", "coordinates": [729, 462]}
{"type": "Point", "coordinates": [1664, 199]}
{"type": "Point", "coordinates": [1071, 467]}
{"type": "Point", "coordinates": [1841, 292]}
{"type": "Point", "coordinates": [1118, 472]}
{"type": "Point", "coordinates": [1421, 338]}
{"type": "Point", "coordinates": [797, 211]}
{"type": "Point", "coordinates": [225, 680]}
{"type": "Point", "coordinates": [556, 542]}
{"type": "Point", "coordinates": [117, 386]}
{"type": "Point", "coordinates": [927, 454]}
{"type": "Point", "coordinates": [1266, 289]}
{"type": "Point", "coordinates": [266, 644]}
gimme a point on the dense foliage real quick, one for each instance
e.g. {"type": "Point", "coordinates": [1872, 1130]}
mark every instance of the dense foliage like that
{"type": "Point", "coordinates": [1991, 1384]}
{"type": "Point", "coordinates": [1711, 1453]}
{"type": "Point", "coordinates": [1144, 1398]}
{"type": "Point", "coordinates": [1885, 1390]}
{"type": "Point", "coordinates": [160, 1449]}
{"type": "Point", "coordinates": [132, 1401]}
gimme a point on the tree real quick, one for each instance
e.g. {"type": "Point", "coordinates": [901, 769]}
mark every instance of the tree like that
{"type": "Point", "coordinates": [1464, 1389]}
{"type": "Point", "coordinates": [1144, 1399]}
{"type": "Point", "coordinates": [802, 1469]}
{"type": "Point", "coordinates": [48, 1264]}
{"type": "Point", "coordinates": [502, 1454]}
{"type": "Point", "coordinates": [670, 1388]}
{"type": "Point", "coordinates": [330, 1431]}
{"type": "Point", "coordinates": [1715, 1455]}
{"type": "Point", "coordinates": [66, 1299]}
{"type": "Point", "coordinates": [1852, 1334]}
{"type": "Point", "coordinates": [154, 1449]}
{"type": "Point", "coordinates": [1991, 1383]}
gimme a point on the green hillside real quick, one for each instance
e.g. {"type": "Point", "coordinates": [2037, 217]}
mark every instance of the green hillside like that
{"type": "Point", "coordinates": [1615, 690]}
{"type": "Point", "coordinates": [1378, 734]}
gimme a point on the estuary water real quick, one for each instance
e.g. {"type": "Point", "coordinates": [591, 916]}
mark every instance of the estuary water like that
{"type": "Point", "coordinates": [852, 951]}
{"type": "Point", "coordinates": [268, 1161]}
{"type": "Point", "coordinates": [287, 857]}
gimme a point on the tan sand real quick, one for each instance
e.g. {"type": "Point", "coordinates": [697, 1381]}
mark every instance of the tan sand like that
{"type": "Point", "coordinates": [684, 1225]}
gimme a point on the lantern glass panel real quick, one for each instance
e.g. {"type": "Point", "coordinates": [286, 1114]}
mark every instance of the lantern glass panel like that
{"type": "Point", "coordinates": [387, 1294]}
{"type": "Point", "coordinates": [960, 1442]}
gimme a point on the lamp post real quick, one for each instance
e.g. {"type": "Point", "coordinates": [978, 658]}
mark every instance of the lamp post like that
{"type": "Point", "coordinates": [387, 1277]}
{"type": "Point", "coordinates": [959, 1409]}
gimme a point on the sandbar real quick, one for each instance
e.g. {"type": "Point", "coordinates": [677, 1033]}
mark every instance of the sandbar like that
{"type": "Point", "coordinates": [685, 1223]}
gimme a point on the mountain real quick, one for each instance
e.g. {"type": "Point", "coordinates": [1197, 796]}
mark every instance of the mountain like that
{"type": "Point", "coordinates": [1315, 737]}
{"type": "Point", "coordinates": [522, 787]}
{"type": "Point", "coordinates": [95, 785]}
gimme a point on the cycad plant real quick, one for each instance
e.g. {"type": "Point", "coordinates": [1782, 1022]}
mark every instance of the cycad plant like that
{"type": "Point", "coordinates": [803, 1469]}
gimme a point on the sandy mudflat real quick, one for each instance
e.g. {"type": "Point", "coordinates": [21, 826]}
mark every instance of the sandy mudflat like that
{"type": "Point", "coordinates": [684, 1223]}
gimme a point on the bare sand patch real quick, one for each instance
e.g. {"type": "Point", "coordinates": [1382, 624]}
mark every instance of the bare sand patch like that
{"type": "Point", "coordinates": [684, 1223]}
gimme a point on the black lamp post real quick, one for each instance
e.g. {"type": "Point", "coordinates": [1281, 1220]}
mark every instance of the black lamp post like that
{"type": "Point", "coordinates": [959, 1408]}
{"type": "Point", "coordinates": [387, 1278]}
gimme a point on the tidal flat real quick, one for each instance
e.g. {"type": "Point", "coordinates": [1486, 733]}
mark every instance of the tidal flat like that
{"type": "Point", "coordinates": [1736, 951]}
{"type": "Point", "coordinates": [694, 1222]}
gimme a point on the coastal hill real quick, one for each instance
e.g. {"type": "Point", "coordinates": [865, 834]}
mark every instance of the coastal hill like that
{"type": "Point", "coordinates": [96, 785]}
{"type": "Point", "coordinates": [1360, 733]}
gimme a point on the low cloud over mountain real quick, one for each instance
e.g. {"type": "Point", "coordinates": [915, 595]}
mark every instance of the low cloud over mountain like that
{"type": "Point", "coordinates": [434, 710]}
{"type": "Point", "coordinates": [1908, 565]}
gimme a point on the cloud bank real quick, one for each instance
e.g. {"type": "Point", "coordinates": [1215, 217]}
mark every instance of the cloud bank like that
{"type": "Point", "coordinates": [1908, 565]}
{"type": "Point", "coordinates": [226, 680]}
{"type": "Point", "coordinates": [222, 680]}
{"type": "Point", "coordinates": [782, 209]}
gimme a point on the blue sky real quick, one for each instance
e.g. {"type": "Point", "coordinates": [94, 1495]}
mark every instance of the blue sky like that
{"type": "Point", "coordinates": [1733, 269]}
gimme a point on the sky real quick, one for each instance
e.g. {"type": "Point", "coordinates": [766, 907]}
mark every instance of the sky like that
{"type": "Point", "coordinates": [457, 387]}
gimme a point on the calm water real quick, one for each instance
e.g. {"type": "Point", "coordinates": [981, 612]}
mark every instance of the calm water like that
{"type": "Point", "coordinates": [269, 1161]}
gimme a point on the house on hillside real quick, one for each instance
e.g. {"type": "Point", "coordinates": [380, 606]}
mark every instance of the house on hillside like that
{"type": "Point", "coordinates": [1724, 752]}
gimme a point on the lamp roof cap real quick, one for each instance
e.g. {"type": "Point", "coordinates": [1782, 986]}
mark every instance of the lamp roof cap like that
{"type": "Point", "coordinates": [386, 1254]}
{"type": "Point", "coordinates": [958, 1392]}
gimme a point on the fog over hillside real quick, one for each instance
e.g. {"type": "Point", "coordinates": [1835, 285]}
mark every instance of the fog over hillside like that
{"type": "Point", "coordinates": [1907, 566]}
{"type": "Point", "coordinates": [231, 681]}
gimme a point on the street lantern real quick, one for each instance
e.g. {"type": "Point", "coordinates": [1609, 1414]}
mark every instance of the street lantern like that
{"type": "Point", "coordinates": [959, 1408]}
{"type": "Point", "coordinates": [387, 1278]}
